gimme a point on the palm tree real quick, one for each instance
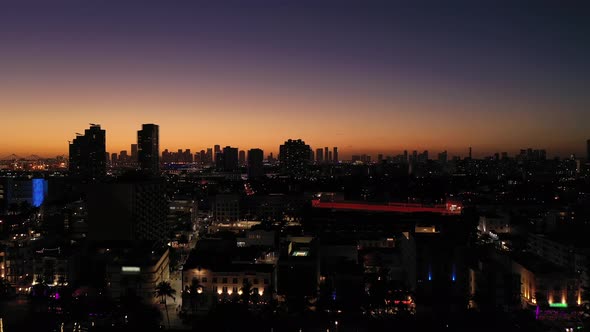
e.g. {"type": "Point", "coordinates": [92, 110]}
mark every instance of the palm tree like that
{"type": "Point", "coordinates": [164, 290]}
{"type": "Point", "coordinates": [246, 292]}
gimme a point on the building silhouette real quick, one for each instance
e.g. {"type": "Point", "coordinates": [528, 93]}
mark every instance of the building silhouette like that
{"type": "Point", "coordinates": [335, 156]}
{"type": "Point", "coordinates": [242, 157]}
{"type": "Point", "coordinates": [88, 154]}
{"type": "Point", "coordinates": [230, 159]}
{"type": "Point", "coordinates": [134, 153]}
{"type": "Point", "coordinates": [294, 156]}
{"type": "Point", "coordinates": [129, 209]}
{"type": "Point", "coordinates": [319, 155]}
{"type": "Point", "coordinates": [148, 149]}
{"type": "Point", "coordinates": [216, 151]}
{"type": "Point", "coordinates": [255, 163]}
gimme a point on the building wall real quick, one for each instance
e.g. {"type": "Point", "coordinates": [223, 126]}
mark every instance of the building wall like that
{"type": "Point", "coordinates": [553, 251]}
{"type": "Point", "coordinates": [226, 208]}
{"type": "Point", "coordinates": [226, 285]}
{"type": "Point", "coordinates": [143, 282]}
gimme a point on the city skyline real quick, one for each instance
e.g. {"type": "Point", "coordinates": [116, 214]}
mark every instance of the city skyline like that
{"type": "Point", "coordinates": [371, 78]}
{"type": "Point", "coordinates": [465, 151]}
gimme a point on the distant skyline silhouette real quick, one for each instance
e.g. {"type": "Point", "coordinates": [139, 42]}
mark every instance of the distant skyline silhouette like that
{"type": "Point", "coordinates": [368, 77]}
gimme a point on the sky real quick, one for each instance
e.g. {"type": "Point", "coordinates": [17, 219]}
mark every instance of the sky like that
{"type": "Point", "coordinates": [366, 76]}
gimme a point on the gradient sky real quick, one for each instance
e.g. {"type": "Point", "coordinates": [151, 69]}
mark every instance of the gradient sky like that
{"type": "Point", "coordinates": [364, 76]}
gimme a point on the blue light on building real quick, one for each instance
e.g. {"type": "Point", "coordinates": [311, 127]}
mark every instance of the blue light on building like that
{"type": "Point", "coordinates": [39, 190]}
{"type": "Point", "coordinates": [453, 274]}
{"type": "Point", "coordinates": [429, 273]}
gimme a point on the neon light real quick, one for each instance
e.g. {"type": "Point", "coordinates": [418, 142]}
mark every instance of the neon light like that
{"type": "Point", "coordinates": [391, 207]}
{"type": "Point", "coordinates": [453, 274]}
{"type": "Point", "coordinates": [558, 305]}
{"type": "Point", "coordinates": [38, 192]}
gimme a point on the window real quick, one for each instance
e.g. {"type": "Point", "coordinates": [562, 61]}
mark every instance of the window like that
{"type": "Point", "coordinates": [204, 279]}
{"type": "Point", "coordinates": [224, 280]}
{"type": "Point", "coordinates": [235, 290]}
{"type": "Point", "coordinates": [255, 281]}
{"type": "Point", "coordinates": [215, 280]}
{"type": "Point", "coordinates": [235, 281]}
{"type": "Point", "coordinates": [224, 289]}
{"type": "Point", "coordinates": [266, 281]}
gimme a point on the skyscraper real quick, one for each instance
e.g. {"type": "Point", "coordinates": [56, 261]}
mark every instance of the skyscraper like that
{"type": "Point", "coordinates": [216, 150]}
{"type": "Point", "coordinates": [230, 159]}
{"type": "Point", "coordinates": [326, 154]}
{"type": "Point", "coordinates": [335, 156]}
{"type": "Point", "coordinates": [255, 166]}
{"type": "Point", "coordinates": [242, 157]}
{"type": "Point", "coordinates": [148, 149]}
{"type": "Point", "coordinates": [294, 157]}
{"type": "Point", "coordinates": [209, 156]}
{"type": "Point", "coordinates": [319, 155]}
{"type": "Point", "coordinates": [443, 157]}
{"type": "Point", "coordinates": [87, 154]}
{"type": "Point", "coordinates": [134, 153]}
{"type": "Point", "coordinates": [588, 150]}
{"type": "Point", "coordinates": [129, 209]}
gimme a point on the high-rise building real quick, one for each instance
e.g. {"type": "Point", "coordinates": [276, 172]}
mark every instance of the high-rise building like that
{"type": "Point", "coordinates": [129, 209]}
{"type": "Point", "coordinates": [326, 155]}
{"type": "Point", "coordinates": [443, 157]}
{"type": "Point", "coordinates": [242, 157]}
{"type": "Point", "coordinates": [114, 158]}
{"type": "Point", "coordinates": [294, 157]}
{"type": "Point", "coordinates": [319, 155]}
{"type": "Point", "coordinates": [216, 150]}
{"type": "Point", "coordinates": [148, 149]}
{"type": "Point", "coordinates": [335, 156]}
{"type": "Point", "coordinates": [209, 156]}
{"type": "Point", "coordinates": [134, 153]}
{"type": "Point", "coordinates": [470, 153]}
{"type": "Point", "coordinates": [588, 150]}
{"type": "Point", "coordinates": [87, 154]}
{"type": "Point", "coordinates": [230, 159]}
{"type": "Point", "coordinates": [123, 157]}
{"type": "Point", "coordinates": [255, 166]}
